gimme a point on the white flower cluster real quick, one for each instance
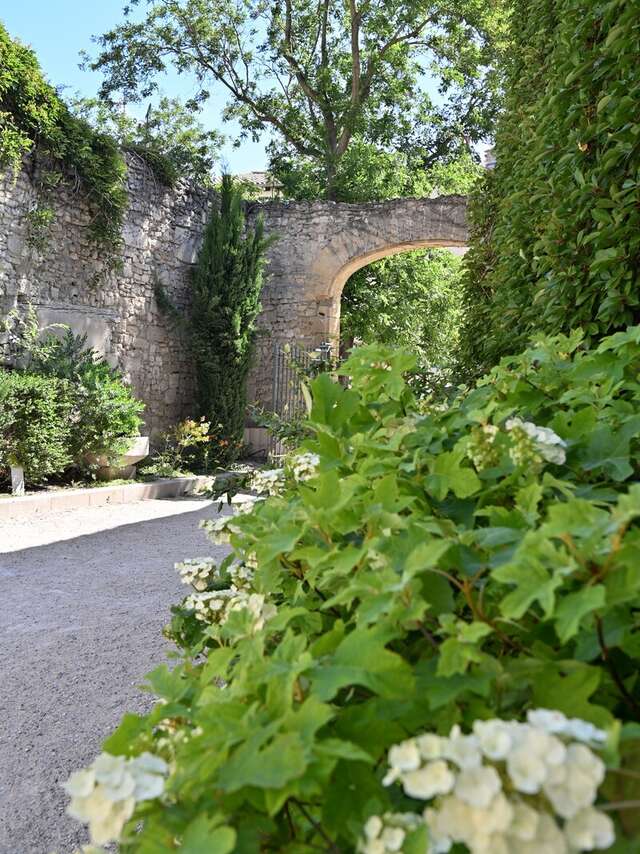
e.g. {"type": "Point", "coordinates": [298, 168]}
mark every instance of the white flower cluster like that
{"type": "Point", "coordinates": [104, 795]}
{"type": "Point", "coordinates": [243, 503]}
{"type": "Point", "coordinates": [304, 466]}
{"type": "Point", "coordinates": [268, 482]}
{"type": "Point", "coordinates": [199, 572]}
{"type": "Point", "coordinates": [216, 606]}
{"type": "Point", "coordinates": [481, 448]}
{"type": "Point", "coordinates": [217, 530]}
{"type": "Point", "coordinates": [241, 575]}
{"type": "Point", "coordinates": [507, 788]}
{"type": "Point", "coordinates": [547, 444]}
{"type": "Point", "coordinates": [388, 832]}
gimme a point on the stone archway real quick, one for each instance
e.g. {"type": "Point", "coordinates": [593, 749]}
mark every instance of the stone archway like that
{"type": "Point", "coordinates": [319, 246]}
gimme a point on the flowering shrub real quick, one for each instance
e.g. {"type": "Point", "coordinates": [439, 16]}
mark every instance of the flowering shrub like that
{"type": "Point", "coordinates": [500, 788]}
{"type": "Point", "coordinates": [422, 571]}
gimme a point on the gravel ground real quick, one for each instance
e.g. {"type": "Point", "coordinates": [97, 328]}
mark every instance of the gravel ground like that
{"type": "Point", "coordinates": [83, 598]}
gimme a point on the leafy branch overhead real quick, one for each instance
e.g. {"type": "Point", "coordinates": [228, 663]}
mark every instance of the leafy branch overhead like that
{"type": "Point", "coordinates": [318, 75]}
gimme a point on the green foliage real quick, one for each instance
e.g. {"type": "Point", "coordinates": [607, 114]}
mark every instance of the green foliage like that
{"type": "Point", "coordinates": [34, 424]}
{"type": "Point", "coordinates": [411, 300]}
{"type": "Point", "coordinates": [369, 173]}
{"type": "Point", "coordinates": [226, 289]}
{"type": "Point", "coordinates": [434, 569]}
{"type": "Point", "coordinates": [185, 448]}
{"type": "Point", "coordinates": [557, 226]}
{"type": "Point", "coordinates": [320, 76]}
{"type": "Point", "coordinates": [170, 139]}
{"type": "Point", "coordinates": [33, 118]}
{"type": "Point", "coordinates": [102, 408]}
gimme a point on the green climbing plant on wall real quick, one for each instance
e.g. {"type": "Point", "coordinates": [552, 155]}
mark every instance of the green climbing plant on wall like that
{"type": "Point", "coordinates": [557, 225]}
{"type": "Point", "coordinates": [35, 120]}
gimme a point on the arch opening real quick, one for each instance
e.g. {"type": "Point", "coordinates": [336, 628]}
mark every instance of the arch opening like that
{"type": "Point", "coordinates": [408, 297]}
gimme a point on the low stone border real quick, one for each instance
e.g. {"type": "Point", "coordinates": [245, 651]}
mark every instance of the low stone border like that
{"type": "Point", "coordinates": [26, 506]}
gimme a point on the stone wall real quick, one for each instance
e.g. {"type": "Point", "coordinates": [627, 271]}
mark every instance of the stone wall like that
{"type": "Point", "coordinates": [318, 246]}
{"type": "Point", "coordinates": [69, 281]}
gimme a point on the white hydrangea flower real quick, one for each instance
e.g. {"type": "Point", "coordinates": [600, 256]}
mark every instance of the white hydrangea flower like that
{"type": "Point", "coordinates": [558, 724]}
{"type": "Point", "coordinates": [268, 482]}
{"type": "Point", "coordinates": [304, 466]}
{"type": "Point", "coordinates": [405, 756]}
{"type": "Point", "coordinates": [430, 746]}
{"type": "Point", "coordinates": [241, 576]}
{"type": "Point", "coordinates": [387, 833]}
{"type": "Point", "coordinates": [105, 794]}
{"type": "Point", "coordinates": [495, 738]}
{"type": "Point", "coordinates": [199, 572]}
{"type": "Point", "coordinates": [218, 530]}
{"type": "Point", "coordinates": [589, 829]}
{"type": "Point", "coordinates": [574, 785]}
{"type": "Point", "coordinates": [257, 606]}
{"type": "Point", "coordinates": [524, 824]}
{"type": "Point", "coordinates": [547, 443]}
{"type": "Point", "coordinates": [478, 786]}
{"type": "Point", "coordinates": [464, 750]}
{"type": "Point", "coordinates": [435, 778]}
{"type": "Point", "coordinates": [526, 770]}
{"type": "Point", "coordinates": [546, 806]}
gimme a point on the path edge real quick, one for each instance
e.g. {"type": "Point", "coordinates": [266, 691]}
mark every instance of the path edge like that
{"type": "Point", "coordinates": [28, 506]}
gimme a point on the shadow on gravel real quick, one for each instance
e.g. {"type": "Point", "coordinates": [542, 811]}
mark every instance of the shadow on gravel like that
{"type": "Point", "coordinates": [80, 625]}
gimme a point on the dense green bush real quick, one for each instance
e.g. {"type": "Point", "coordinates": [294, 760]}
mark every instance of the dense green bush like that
{"type": "Point", "coordinates": [35, 429]}
{"type": "Point", "coordinates": [104, 409]}
{"type": "Point", "coordinates": [409, 300]}
{"type": "Point", "coordinates": [410, 571]}
{"type": "Point", "coordinates": [556, 227]}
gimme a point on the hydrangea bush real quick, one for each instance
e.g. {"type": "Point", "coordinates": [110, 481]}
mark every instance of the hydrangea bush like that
{"type": "Point", "coordinates": [427, 634]}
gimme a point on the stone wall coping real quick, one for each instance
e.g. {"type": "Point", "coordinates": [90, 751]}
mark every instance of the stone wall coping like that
{"type": "Point", "coordinates": [29, 506]}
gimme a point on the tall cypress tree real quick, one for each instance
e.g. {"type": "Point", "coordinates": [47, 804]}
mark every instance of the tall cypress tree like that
{"type": "Point", "coordinates": [226, 300]}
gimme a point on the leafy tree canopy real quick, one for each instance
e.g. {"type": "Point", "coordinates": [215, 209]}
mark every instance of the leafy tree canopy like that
{"type": "Point", "coordinates": [367, 173]}
{"type": "Point", "coordinates": [320, 75]}
{"type": "Point", "coordinates": [170, 138]}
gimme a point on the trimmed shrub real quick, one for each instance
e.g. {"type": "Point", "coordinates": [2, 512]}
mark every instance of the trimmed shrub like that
{"type": "Point", "coordinates": [35, 426]}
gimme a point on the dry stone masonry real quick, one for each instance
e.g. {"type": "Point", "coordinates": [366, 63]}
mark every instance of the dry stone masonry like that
{"type": "Point", "coordinates": [318, 246]}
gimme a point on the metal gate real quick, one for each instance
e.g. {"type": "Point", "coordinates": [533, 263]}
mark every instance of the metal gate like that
{"type": "Point", "coordinates": [291, 364]}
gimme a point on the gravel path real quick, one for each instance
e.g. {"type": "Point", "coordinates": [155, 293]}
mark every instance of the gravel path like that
{"type": "Point", "coordinates": [83, 598]}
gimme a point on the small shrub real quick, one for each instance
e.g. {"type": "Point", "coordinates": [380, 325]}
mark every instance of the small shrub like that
{"type": "Point", "coordinates": [175, 446]}
{"type": "Point", "coordinates": [104, 409]}
{"type": "Point", "coordinates": [105, 412]}
{"type": "Point", "coordinates": [34, 424]}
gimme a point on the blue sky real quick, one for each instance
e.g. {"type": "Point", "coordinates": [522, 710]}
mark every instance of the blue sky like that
{"type": "Point", "coordinates": [59, 29]}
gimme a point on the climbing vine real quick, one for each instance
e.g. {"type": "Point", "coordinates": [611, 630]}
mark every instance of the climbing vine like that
{"type": "Point", "coordinates": [556, 227]}
{"type": "Point", "coordinates": [34, 120]}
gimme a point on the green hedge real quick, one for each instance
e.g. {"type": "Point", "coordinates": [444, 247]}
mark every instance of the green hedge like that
{"type": "Point", "coordinates": [35, 428]}
{"type": "Point", "coordinates": [556, 227]}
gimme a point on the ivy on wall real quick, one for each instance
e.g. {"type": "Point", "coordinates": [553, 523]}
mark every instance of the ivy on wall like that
{"type": "Point", "coordinates": [556, 227]}
{"type": "Point", "coordinates": [34, 119]}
